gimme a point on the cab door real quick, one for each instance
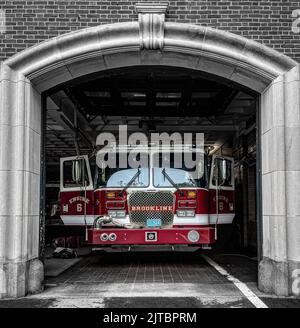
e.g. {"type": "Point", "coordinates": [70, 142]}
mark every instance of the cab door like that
{"type": "Point", "coordinates": [221, 190]}
{"type": "Point", "coordinates": [76, 191]}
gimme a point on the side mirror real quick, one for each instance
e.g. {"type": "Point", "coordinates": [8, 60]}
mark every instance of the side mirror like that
{"type": "Point", "coordinates": [103, 175]}
{"type": "Point", "coordinates": [223, 173]}
{"type": "Point", "coordinates": [200, 170]}
{"type": "Point", "coordinates": [77, 170]}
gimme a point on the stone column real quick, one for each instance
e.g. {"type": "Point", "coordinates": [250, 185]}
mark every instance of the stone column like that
{"type": "Point", "coordinates": [280, 138]}
{"type": "Point", "coordinates": [21, 272]}
{"type": "Point", "coordinates": [292, 159]}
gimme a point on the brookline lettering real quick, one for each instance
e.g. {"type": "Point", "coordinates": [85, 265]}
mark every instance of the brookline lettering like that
{"type": "Point", "coordinates": [156, 208]}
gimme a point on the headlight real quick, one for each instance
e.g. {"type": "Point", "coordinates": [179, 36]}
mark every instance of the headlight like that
{"type": "Point", "coordinates": [185, 213]}
{"type": "Point", "coordinates": [190, 213]}
{"type": "Point", "coordinates": [180, 213]}
{"type": "Point", "coordinates": [121, 214]}
{"type": "Point", "coordinates": [193, 236]}
{"type": "Point", "coordinates": [112, 214]}
{"type": "Point", "coordinates": [117, 214]}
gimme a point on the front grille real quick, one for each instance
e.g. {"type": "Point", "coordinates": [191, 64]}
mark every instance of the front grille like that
{"type": "Point", "coordinates": [145, 201]}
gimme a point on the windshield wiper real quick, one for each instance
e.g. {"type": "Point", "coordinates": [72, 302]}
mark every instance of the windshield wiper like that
{"type": "Point", "coordinates": [166, 175]}
{"type": "Point", "coordinates": [131, 181]}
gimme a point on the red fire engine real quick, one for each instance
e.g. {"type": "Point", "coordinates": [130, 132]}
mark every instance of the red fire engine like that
{"type": "Point", "coordinates": [155, 204]}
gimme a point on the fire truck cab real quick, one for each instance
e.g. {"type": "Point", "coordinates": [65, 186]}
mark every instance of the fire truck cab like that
{"type": "Point", "coordinates": [152, 202]}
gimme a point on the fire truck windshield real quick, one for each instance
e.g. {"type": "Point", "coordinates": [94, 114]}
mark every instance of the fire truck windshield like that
{"type": "Point", "coordinates": [179, 177]}
{"type": "Point", "coordinates": [182, 176]}
{"type": "Point", "coordinates": [124, 177]}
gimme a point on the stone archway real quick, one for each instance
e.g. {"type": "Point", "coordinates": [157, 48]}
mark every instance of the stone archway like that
{"type": "Point", "coordinates": [149, 41]}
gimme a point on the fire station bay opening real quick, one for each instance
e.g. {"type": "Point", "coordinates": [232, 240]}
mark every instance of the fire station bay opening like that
{"type": "Point", "coordinates": [152, 99]}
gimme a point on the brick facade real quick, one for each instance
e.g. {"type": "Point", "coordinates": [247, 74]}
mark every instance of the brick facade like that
{"type": "Point", "coordinates": [31, 22]}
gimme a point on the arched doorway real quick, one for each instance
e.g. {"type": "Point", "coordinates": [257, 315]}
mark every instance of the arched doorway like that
{"type": "Point", "coordinates": [27, 75]}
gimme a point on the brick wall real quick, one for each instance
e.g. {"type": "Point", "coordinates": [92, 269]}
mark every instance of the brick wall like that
{"type": "Point", "coordinates": [30, 22]}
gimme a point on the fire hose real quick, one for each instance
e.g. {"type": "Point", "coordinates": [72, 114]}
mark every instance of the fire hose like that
{"type": "Point", "coordinates": [103, 220]}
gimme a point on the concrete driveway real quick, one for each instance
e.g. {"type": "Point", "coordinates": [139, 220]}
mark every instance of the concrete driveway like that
{"type": "Point", "coordinates": [155, 280]}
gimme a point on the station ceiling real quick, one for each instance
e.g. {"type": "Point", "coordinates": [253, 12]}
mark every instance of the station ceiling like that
{"type": "Point", "coordinates": [146, 99]}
